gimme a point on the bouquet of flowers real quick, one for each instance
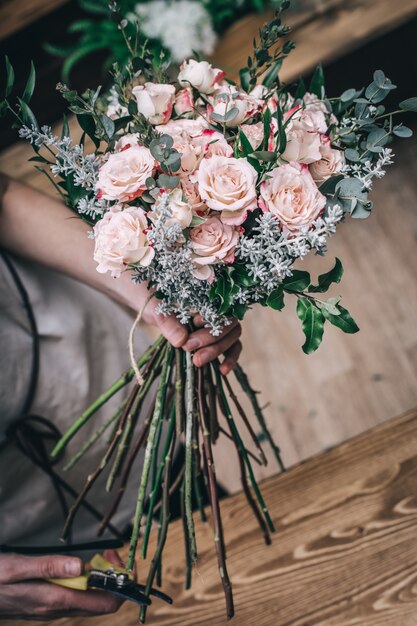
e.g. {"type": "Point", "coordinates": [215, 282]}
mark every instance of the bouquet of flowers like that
{"type": "Point", "coordinates": [209, 191]}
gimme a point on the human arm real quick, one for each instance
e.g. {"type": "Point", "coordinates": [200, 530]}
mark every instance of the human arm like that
{"type": "Point", "coordinates": [43, 230]}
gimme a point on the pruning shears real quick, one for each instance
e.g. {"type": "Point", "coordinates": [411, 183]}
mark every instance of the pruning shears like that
{"type": "Point", "coordinates": [99, 574]}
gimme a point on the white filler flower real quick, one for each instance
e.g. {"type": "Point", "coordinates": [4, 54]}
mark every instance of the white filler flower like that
{"type": "Point", "coordinates": [181, 26]}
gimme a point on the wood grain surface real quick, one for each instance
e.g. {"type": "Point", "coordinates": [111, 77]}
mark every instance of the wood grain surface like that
{"type": "Point", "coordinates": [16, 14]}
{"type": "Point", "coordinates": [334, 29]}
{"type": "Point", "coordinates": [345, 551]}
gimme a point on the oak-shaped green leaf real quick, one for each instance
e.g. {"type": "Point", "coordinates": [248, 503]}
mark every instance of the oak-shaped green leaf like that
{"type": "Point", "coordinates": [312, 321]}
{"type": "Point", "coordinates": [325, 280]}
{"type": "Point", "coordinates": [298, 281]}
{"type": "Point", "coordinates": [344, 320]}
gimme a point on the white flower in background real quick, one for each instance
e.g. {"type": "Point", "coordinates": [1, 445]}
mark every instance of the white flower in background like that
{"type": "Point", "coordinates": [181, 26]}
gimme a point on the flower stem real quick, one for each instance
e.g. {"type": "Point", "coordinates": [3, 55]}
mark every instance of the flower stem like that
{"type": "Point", "coordinates": [228, 414]}
{"type": "Point", "coordinates": [179, 391]}
{"type": "Point", "coordinates": [189, 455]}
{"type": "Point", "coordinates": [214, 501]}
{"type": "Point", "coordinates": [156, 417]}
{"type": "Point", "coordinates": [103, 398]}
{"type": "Point", "coordinates": [251, 393]}
{"type": "Point", "coordinates": [163, 531]}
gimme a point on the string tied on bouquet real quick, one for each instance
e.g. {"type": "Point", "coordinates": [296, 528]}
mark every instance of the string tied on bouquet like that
{"type": "Point", "coordinates": [133, 360]}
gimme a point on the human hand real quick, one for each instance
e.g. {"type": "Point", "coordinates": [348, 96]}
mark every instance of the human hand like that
{"type": "Point", "coordinates": [201, 342]}
{"type": "Point", "coordinates": [24, 594]}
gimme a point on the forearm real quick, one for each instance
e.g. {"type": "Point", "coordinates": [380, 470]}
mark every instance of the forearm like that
{"type": "Point", "coordinates": [44, 230]}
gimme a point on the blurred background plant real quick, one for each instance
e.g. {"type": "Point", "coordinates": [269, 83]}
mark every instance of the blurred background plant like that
{"type": "Point", "coordinates": [179, 28]}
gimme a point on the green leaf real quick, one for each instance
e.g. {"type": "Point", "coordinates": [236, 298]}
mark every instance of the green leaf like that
{"type": "Point", "coordinates": [275, 299]}
{"type": "Point", "coordinates": [241, 276]}
{"type": "Point", "coordinates": [344, 321]}
{"type": "Point", "coordinates": [168, 182]}
{"type": "Point", "coordinates": [352, 155]}
{"type": "Point", "coordinates": [65, 127]}
{"type": "Point", "coordinates": [264, 155]}
{"type": "Point", "coordinates": [312, 321]}
{"type": "Point", "coordinates": [402, 131]}
{"type": "Point", "coordinates": [409, 105]}
{"type": "Point", "coordinates": [298, 281]}
{"type": "Point", "coordinates": [9, 77]}
{"type": "Point", "coordinates": [245, 144]}
{"type": "Point", "coordinates": [301, 90]}
{"type": "Point", "coordinates": [329, 185]}
{"type": "Point", "coordinates": [3, 108]}
{"type": "Point", "coordinates": [88, 125]}
{"type": "Point", "coordinates": [239, 310]}
{"type": "Point", "coordinates": [28, 115]}
{"type": "Point", "coordinates": [272, 74]}
{"type": "Point", "coordinates": [377, 139]}
{"type": "Point", "coordinates": [317, 82]}
{"type": "Point", "coordinates": [30, 85]}
{"type": "Point", "coordinates": [327, 279]}
{"type": "Point", "coordinates": [108, 125]}
{"type": "Point", "coordinates": [244, 75]}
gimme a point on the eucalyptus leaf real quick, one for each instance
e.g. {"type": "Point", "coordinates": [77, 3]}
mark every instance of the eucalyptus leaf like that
{"type": "Point", "coordinates": [409, 105]}
{"type": "Point", "coordinates": [402, 131]}
{"type": "Point", "coordinates": [352, 155]}
{"type": "Point", "coordinates": [168, 182]}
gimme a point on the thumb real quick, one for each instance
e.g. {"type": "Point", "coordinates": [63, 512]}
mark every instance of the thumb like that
{"type": "Point", "coordinates": [30, 567]}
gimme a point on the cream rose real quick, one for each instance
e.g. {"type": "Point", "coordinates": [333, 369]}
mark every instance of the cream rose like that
{"type": "Point", "coordinates": [181, 211]}
{"type": "Point", "coordinates": [183, 128]}
{"type": "Point", "coordinates": [190, 191]}
{"type": "Point", "coordinates": [330, 164]}
{"type": "Point", "coordinates": [184, 102]}
{"type": "Point", "coordinates": [212, 242]}
{"type": "Point", "coordinates": [291, 194]}
{"type": "Point", "coordinates": [304, 135]}
{"type": "Point", "coordinates": [228, 185]}
{"type": "Point", "coordinates": [123, 176]}
{"type": "Point", "coordinates": [192, 150]}
{"type": "Point", "coordinates": [254, 133]}
{"type": "Point", "coordinates": [125, 142]}
{"type": "Point", "coordinates": [216, 144]}
{"type": "Point", "coordinates": [200, 75]}
{"type": "Point", "coordinates": [155, 101]}
{"type": "Point", "coordinates": [120, 240]}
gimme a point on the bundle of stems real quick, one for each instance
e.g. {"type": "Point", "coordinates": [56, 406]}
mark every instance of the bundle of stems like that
{"type": "Point", "coordinates": [183, 404]}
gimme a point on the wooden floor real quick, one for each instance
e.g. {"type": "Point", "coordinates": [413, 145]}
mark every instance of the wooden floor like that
{"type": "Point", "coordinates": [345, 551]}
{"type": "Point", "coordinates": [353, 382]}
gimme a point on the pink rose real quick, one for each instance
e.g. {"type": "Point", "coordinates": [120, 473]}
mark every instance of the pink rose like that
{"type": "Point", "coordinates": [228, 185]}
{"type": "Point", "coordinates": [190, 191]}
{"type": "Point", "coordinates": [183, 128]}
{"type": "Point", "coordinates": [230, 99]}
{"type": "Point", "coordinates": [155, 101]}
{"type": "Point", "coordinates": [330, 164]}
{"type": "Point", "coordinates": [120, 240]}
{"type": "Point", "coordinates": [304, 135]}
{"type": "Point", "coordinates": [181, 212]}
{"type": "Point", "coordinates": [216, 144]}
{"type": "Point", "coordinates": [126, 142]}
{"type": "Point", "coordinates": [192, 150]}
{"type": "Point", "coordinates": [254, 133]}
{"type": "Point", "coordinates": [123, 176]}
{"type": "Point", "coordinates": [184, 102]}
{"type": "Point", "coordinates": [212, 242]}
{"type": "Point", "coordinates": [200, 75]}
{"type": "Point", "coordinates": [291, 194]}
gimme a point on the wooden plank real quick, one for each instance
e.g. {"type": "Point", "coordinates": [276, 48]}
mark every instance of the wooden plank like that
{"type": "Point", "coordinates": [340, 28]}
{"type": "Point", "coordinates": [16, 14]}
{"type": "Point", "coordinates": [345, 553]}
